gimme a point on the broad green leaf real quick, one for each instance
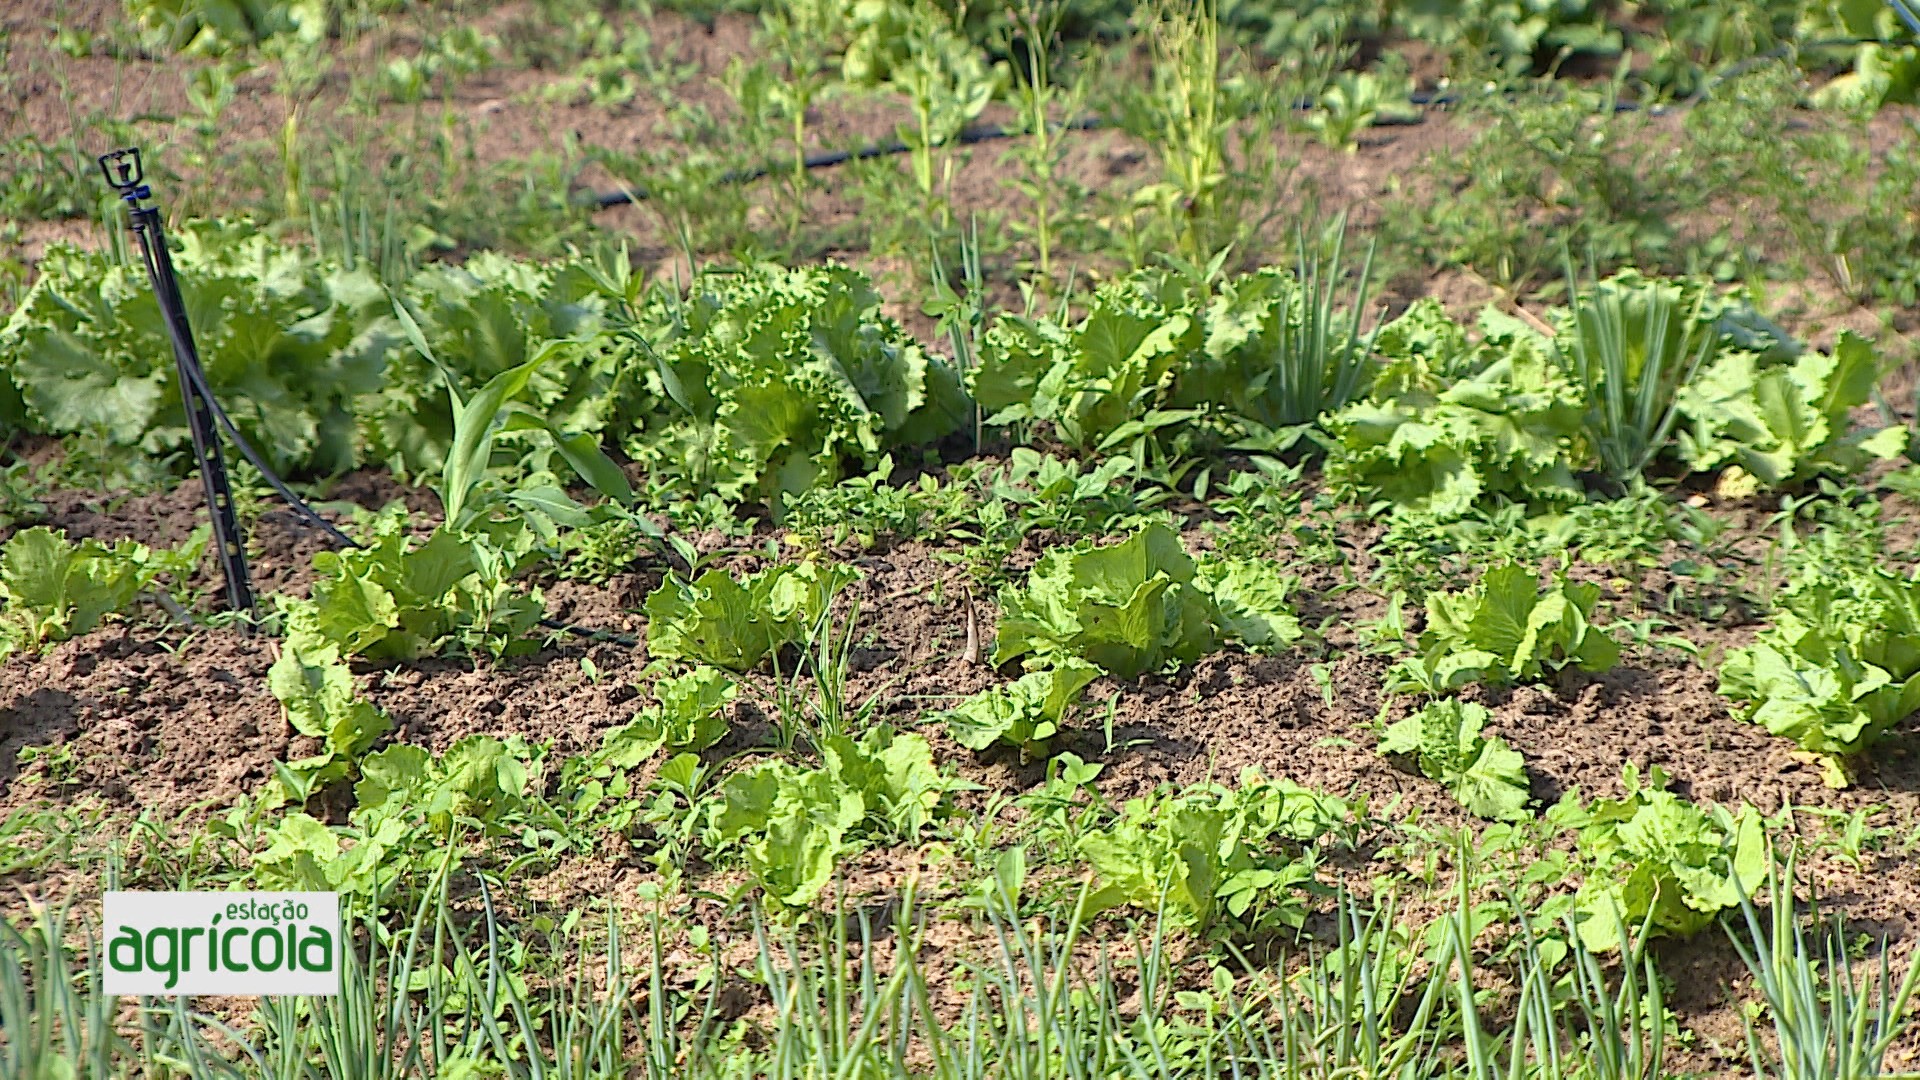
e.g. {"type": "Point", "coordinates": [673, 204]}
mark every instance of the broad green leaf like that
{"type": "Point", "coordinates": [1839, 667]}
{"type": "Point", "coordinates": [731, 624]}
{"type": "Point", "coordinates": [1130, 608]}
{"type": "Point", "coordinates": [1250, 596]}
{"type": "Point", "coordinates": [1484, 774]}
{"type": "Point", "coordinates": [1026, 713]}
{"type": "Point", "coordinates": [1505, 630]}
{"type": "Point", "coordinates": [474, 426]}
{"type": "Point", "coordinates": [1655, 858]}
{"type": "Point", "coordinates": [51, 589]}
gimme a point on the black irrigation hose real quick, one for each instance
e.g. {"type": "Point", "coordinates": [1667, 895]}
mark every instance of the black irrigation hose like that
{"type": "Point", "coordinates": [989, 133]}
{"type": "Point", "coordinates": [1420, 99]}
{"type": "Point", "coordinates": [300, 508]}
{"type": "Point", "coordinates": [829, 158]}
{"type": "Point", "coordinates": [295, 502]}
{"type": "Point", "coordinates": [614, 636]}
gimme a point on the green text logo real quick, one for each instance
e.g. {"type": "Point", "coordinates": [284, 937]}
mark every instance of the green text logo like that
{"type": "Point", "coordinates": [173, 943]}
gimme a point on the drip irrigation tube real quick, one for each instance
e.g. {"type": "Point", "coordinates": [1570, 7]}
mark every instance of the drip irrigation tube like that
{"type": "Point", "coordinates": [614, 636]}
{"type": "Point", "coordinates": [294, 502]}
{"type": "Point", "coordinates": [302, 509]}
{"type": "Point", "coordinates": [1419, 100]}
{"type": "Point", "coordinates": [827, 159]}
{"type": "Point", "coordinates": [209, 419]}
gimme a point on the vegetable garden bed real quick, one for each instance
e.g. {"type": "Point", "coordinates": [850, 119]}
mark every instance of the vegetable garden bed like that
{"type": "Point", "coordinates": [1237, 589]}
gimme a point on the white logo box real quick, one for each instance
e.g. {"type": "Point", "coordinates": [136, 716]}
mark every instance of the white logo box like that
{"type": "Point", "coordinates": [170, 944]}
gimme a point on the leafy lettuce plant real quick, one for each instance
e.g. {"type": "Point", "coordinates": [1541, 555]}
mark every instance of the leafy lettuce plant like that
{"type": "Point", "coordinates": [1048, 492]}
{"type": "Point", "coordinates": [1423, 349]}
{"type": "Point", "coordinates": [52, 589]}
{"type": "Point", "coordinates": [770, 381]}
{"type": "Point", "coordinates": [689, 716]}
{"type": "Point", "coordinates": [321, 701]}
{"type": "Point", "coordinates": [1506, 630]}
{"type": "Point", "coordinates": [1658, 860]}
{"type": "Point", "coordinates": [1441, 432]}
{"type": "Point", "coordinates": [1838, 668]}
{"type": "Point", "coordinates": [1444, 742]}
{"type": "Point", "coordinates": [409, 804]}
{"type": "Point", "coordinates": [288, 343]}
{"type": "Point", "coordinates": [396, 599]}
{"type": "Point", "coordinates": [1101, 382]}
{"type": "Point", "coordinates": [731, 624]}
{"type": "Point", "coordinates": [1026, 713]}
{"type": "Point", "coordinates": [1250, 601]}
{"type": "Point", "coordinates": [477, 781]}
{"type": "Point", "coordinates": [1209, 856]}
{"type": "Point", "coordinates": [1785, 421]}
{"type": "Point", "coordinates": [690, 713]}
{"type": "Point", "coordinates": [214, 27]}
{"type": "Point", "coordinates": [1265, 350]}
{"type": "Point", "coordinates": [470, 326]}
{"type": "Point", "coordinates": [794, 824]}
{"type": "Point", "coordinates": [1141, 605]}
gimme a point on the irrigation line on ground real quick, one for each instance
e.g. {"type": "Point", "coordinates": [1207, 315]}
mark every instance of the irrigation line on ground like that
{"type": "Point", "coordinates": [286, 493]}
{"type": "Point", "coordinates": [827, 159]}
{"type": "Point", "coordinates": [303, 510]}
{"type": "Point", "coordinates": [1419, 100]}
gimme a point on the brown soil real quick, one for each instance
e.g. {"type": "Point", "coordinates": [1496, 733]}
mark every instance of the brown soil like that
{"type": "Point", "coordinates": [144, 717]}
{"type": "Point", "coordinates": [149, 718]}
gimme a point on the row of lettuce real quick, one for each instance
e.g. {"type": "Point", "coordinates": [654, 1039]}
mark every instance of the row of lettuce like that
{"type": "Point", "coordinates": [768, 384]}
{"type": "Point", "coordinates": [1224, 861]}
{"type": "Point", "coordinates": [760, 383]}
{"type": "Point", "coordinates": [1834, 672]}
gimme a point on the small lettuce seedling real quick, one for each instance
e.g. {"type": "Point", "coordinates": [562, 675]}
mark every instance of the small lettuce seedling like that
{"type": "Point", "coordinates": [409, 802]}
{"type": "Point", "coordinates": [1026, 713]}
{"type": "Point", "coordinates": [1505, 630]}
{"type": "Point", "coordinates": [794, 824]}
{"type": "Point", "coordinates": [690, 716]}
{"type": "Point", "coordinates": [317, 690]}
{"type": "Point", "coordinates": [1142, 605]}
{"type": "Point", "coordinates": [1656, 860]}
{"type": "Point", "coordinates": [736, 624]}
{"type": "Point", "coordinates": [1485, 775]}
{"type": "Point", "coordinates": [52, 589]}
{"type": "Point", "coordinates": [1212, 857]}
